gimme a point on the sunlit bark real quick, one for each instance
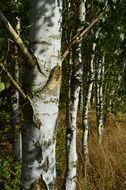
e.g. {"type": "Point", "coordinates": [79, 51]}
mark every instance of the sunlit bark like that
{"type": "Point", "coordinates": [87, 102]}
{"type": "Point", "coordinates": [39, 141]}
{"type": "Point", "coordinates": [75, 84]}
{"type": "Point", "coordinates": [99, 96]}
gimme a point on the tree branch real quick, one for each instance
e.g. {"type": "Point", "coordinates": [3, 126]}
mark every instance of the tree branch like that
{"type": "Point", "coordinates": [80, 35]}
{"type": "Point", "coordinates": [29, 57]}
{"type": "Point", "coordinates": [16, 85]}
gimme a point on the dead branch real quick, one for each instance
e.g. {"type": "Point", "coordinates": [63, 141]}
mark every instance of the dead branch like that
{"type": "Point", "coordinates": [16, 85]}
{"type": "Point", "coordinates": [29, 57]}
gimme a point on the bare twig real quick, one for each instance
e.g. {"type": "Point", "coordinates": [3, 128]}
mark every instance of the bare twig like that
{"type": "Point", "coordinates": [29, 57]}
{"type": "Point", "coordinates": [16, 85]}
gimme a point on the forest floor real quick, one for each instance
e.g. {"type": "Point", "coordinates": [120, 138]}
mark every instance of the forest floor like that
{"type": "Point", "coordinates": [106, 169]}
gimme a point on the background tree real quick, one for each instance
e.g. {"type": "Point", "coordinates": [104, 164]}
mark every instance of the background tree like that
{"type": "Point", "coordinates": [15, 102]}
{"type": "Point", "coordinates": [76, 73]}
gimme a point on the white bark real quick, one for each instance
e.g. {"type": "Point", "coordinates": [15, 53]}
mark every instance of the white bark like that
{"type": "Point", "coordinates": [87, 105]}
{"type": "Point", "coordinates": [99, 97]}
{"type": "Point", "coordinates": [76, 79]}
{"type": "Point", "coordinates": [75, 84]}
{"type": "Point", "coordinates": [82, 17]}
{"type": "Point", "coordinates": [71, 141]}
{"type": "Point", "coordinates": [39, 165]}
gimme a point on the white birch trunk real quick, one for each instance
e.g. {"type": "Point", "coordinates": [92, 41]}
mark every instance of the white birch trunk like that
{"type": "Point", "coordinates": [87, 106]}
{"type": "Point", "coordinates": [15, 102]}
{"type": "Point", "coordinates": [71, 140]}
{"type": "Point", "coordinates": [75, 84]}
{"type": "Point", "coordinates": [82, 17]}
{"type": "Point", "coordinates": [99, 97]}
{"type": "Point", "coordinates": [39, 165]}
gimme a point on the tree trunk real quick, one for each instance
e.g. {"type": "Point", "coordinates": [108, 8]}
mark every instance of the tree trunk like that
{"type": "Point", "coordinates": [99, 97]}
{"type": "Point", "coordinates": [87, 102]}
{"type": "Point", "coordinates": [75, 84]}
{"type": "Point", "coordinates": [71, 130]}
{"type": "Point", "coordinates": [15, 102]}
{"type": "Point", "coordinates": [43, 86]}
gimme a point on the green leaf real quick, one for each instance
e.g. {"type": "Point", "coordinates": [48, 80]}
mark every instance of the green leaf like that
{"type": "Point", "coordinates": [2, 86]}
{"type": "Point", "coordinates": [7, 84]}
{"type": "Point", "coordinates": [2, 40]}
{"type": "Point", "coordinates": [114, 1]}
{"type": "Point", "coordinates": [101, 1]}
{"type": "Point", "coordinates": [122, 36]}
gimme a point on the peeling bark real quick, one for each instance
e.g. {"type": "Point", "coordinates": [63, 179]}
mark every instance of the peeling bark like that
{"type": "Point", "coordinates": [39, 132]}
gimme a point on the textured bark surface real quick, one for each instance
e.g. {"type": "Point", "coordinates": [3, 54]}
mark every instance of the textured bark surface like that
{"type": "Point", "coordinates": [75, 84]}
{"type": "Point", "coordinates": [39, 165]}
{"type": "Point", "coordinates": [99, 96]}
{"type": "Point", "coordinates": [71, 135]}
{"type": "Point", "coordinates": [15, 102]}
{"type": "Point", "coordinates": [87, 104]}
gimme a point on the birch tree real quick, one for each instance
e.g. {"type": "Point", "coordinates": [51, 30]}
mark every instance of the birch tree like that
{"type": "Point", "coordinates": [42, 84]}
{"type": "Point", "coordinates": [99, 96]}
{"type": "Point", "coordinates": [74, 88]}
{"type": "Point", "coordinates": [86, 108]}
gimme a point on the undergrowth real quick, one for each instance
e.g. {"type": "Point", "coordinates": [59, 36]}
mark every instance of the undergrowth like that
{"type": "Point", "coordinates": [107, 162]}
{"type": "Point", "coordinates": [10, 171]}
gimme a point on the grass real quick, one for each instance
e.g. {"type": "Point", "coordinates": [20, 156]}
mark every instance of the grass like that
{"type": "Point", "coordinates": [10, 169]}
{"type": "Point", "coordinates": [107, 162]}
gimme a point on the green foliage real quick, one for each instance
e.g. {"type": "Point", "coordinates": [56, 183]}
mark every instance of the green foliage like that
{"type": "Point", "coordinates": [122, 36]}
{"type": "Point", "coordinates": [111, 39]}
{"type": "Point", "coordinates": [5, 84]}
{"type": "Point", "coordinates": [114, 1]}
{"type": "Point", "coordinates": [10, 171]}
{"type": "Point", "coordinates": [11, 9]}
{"type": "Point", "coordinates": [2, 86]}
{"type": "Point", "coordinates": [17, 5]}
{"type": "Point", "coordinates": [2, 5]}
{"type": "Point", "coordinates": [101, 1]}
{"type": "Point", "coordinates": [2, 40]}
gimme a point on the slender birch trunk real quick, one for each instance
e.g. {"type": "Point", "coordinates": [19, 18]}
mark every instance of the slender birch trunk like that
{"type": "Point", "coordinates": [43, 86]}
{"type": "Point", "coordinates": [71, 131]}
{"type": "Point", "coordinates": [99, 97]}
{"type": "Point", "coordinates": [82, 17]}
{"type": "Point", "coordinates": [15, 102]}
{"type": "Point", "coordinates": [86, 108]}
{"type": "Point", "coordinates": [75, 84]}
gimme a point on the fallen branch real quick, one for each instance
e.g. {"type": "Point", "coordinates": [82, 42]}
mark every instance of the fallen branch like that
{"type": "Point", "coordinates": [16, 85]}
